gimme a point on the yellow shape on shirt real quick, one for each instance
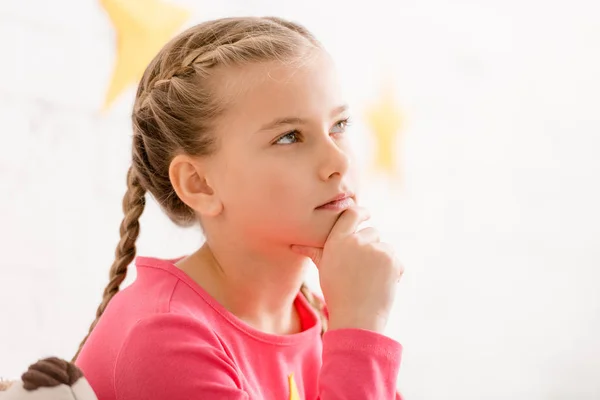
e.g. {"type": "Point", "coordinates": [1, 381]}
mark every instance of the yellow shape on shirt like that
{"type": "Point", "coordinates": [142, 28]}
{"type": "Point", "coordinates": [294, 395]}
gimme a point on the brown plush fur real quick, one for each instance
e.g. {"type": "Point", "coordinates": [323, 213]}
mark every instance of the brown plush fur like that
{"type": "Point", "coordinates": [48, 372]}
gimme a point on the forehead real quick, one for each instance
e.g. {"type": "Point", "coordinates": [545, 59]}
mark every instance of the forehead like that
{"type": "Point", "coordinates": [304, 88]}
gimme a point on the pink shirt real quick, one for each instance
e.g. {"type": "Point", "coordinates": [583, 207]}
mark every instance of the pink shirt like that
{"type": "Point", "coordinates": [165, 338]}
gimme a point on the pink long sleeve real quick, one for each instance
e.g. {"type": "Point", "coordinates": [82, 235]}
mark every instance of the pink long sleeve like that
{"type": "Point", "coordinates": [359, 364]}
{"type": "Point", "coordinates": [170, 357]}
{"type": "Point", "coordinates": [164, 337]}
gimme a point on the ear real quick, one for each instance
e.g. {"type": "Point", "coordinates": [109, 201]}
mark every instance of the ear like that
{"type": "Point", "coordinates": [188, 177]}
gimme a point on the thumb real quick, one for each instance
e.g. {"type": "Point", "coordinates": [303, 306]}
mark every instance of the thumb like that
{"type": "Point", "coordinates": [314, 253]}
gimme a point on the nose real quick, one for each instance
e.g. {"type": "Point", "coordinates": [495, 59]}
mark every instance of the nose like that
{"type": "Point", "coordinates": [334, 160]}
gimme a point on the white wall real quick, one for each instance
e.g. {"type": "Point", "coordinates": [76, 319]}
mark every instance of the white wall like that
{"type": "Point", "coordinates": [496, 218]}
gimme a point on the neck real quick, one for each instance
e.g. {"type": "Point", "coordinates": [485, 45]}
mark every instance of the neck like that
{"type": "Point", "coordinates": [256, 285]}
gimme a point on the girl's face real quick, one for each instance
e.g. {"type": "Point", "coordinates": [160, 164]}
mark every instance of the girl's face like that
{"type": "Point", "coordinates": [283, 151]}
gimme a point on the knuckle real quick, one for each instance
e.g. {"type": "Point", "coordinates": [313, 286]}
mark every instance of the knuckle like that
{"type": "Point", "coordinates": [400, 268]}
{"type": "Point", "coordinates": [388, 258]}
{"type": "Point", "coordinates": [375, 233]}
{"type": "Point", "coordinates": [380, 252]}
{"type": "Point", "coordinates": [370, 235]}
{"type": "Point", "coordinates": [354, 240]}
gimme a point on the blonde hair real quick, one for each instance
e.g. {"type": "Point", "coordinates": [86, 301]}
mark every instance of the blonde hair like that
{"type": "Point", "coordinates": [174, 108]}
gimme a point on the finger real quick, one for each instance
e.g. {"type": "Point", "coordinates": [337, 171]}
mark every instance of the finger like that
{"type": "Point", "coordinates": [368, 235]}
{"type": "Point", "coordinates": [348, 221]}
{"type": "Point", "coordinates": [387, 248]}
{"type": "Point", "coordinates": [391, 251]}
{"type": "Point", "coordinates": [314, 253]}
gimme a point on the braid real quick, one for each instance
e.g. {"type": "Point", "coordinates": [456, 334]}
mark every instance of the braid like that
{"type": "Point", "coordinates": [224, 49]}
{"type": "Point", "coordinates": [133, 206]}
{"type": "Point", "coordinates": [317, 304]}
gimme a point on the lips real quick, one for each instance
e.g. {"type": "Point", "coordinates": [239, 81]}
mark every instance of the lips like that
{"type": "Point", "coordinates": [342, 197]}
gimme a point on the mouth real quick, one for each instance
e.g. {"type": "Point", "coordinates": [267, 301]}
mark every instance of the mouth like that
{"type": "Point", "coordinates": [340, 202]}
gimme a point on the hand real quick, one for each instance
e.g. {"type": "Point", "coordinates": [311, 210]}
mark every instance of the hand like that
{"type": "Point", "coordinates": [358, 273]}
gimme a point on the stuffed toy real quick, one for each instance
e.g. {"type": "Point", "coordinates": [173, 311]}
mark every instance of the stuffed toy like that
{"type": "Point", "coordinates": [49, 379]}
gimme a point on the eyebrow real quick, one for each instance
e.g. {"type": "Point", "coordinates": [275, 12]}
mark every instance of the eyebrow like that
{"type": "Point", "coordinates": [298, 121]}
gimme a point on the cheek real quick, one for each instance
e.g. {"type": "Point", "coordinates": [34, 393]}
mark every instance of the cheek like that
{"type": "Point", "coordinates": [277, 185]}
{"type": "Point", "coordinates": [353, 175]}
{"type": "Point", "coordinates": [264, 181]}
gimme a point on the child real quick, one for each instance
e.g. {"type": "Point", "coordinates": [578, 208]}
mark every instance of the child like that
{"type": "Point", "coordinates": [239, 125]}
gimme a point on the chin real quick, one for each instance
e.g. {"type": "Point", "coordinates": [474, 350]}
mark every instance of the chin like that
{"type": "Point", "coordinates": [311, 232]}
{"type": "Point", "coordinates": [313, 236]}
{"type": "Point", "coordinates": [314, 242]}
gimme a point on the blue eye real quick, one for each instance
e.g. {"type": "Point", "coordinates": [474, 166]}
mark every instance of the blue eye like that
{"type": "Point", "coordinates": [341, 125]}
{"type": "Point", "coordinates": [288, 138]}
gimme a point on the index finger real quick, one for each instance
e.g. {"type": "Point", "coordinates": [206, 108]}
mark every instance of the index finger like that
{"type": "Point", "coordinates": [348, 221]}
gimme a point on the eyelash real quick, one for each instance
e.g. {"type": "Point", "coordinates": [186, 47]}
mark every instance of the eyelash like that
{"type": "Point", "coordinates": [346, 122]}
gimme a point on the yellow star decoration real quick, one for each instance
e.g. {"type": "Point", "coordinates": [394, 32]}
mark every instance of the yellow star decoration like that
{"type": "Point", "coordinates": [294, 395]}
{"type": "Point", "coordinates": [143, 27]}
{"type": "Point", "coordinates": [385, 122]}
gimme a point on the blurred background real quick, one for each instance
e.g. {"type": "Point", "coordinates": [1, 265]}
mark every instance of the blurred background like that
{"type": "Point", "coordinates": [478, 129]}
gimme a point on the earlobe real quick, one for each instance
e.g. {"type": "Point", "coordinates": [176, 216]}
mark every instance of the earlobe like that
{"type": "Point", "coordinates": [188, 178]}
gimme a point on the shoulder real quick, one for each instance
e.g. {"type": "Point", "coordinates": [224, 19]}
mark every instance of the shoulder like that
{"type": "Point", "coordinates": [163, 350]}
{"type": "Point", "coordinates": [168, 331]}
